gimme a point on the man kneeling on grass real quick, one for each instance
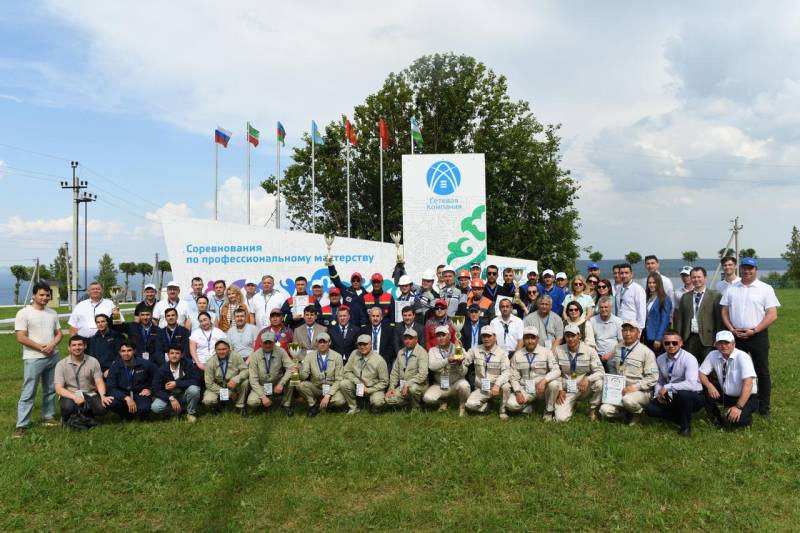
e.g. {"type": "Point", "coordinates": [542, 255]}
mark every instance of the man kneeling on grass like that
{"type": "Point", "coordinates": [449, 373]}
{"type": "Point", "coordinates": [176, 385]}
{"type": "Point", "coordinates": [581, 375]}
{"type": "Point", "coordinates": [409, 377]}
{"type": "Point", "coordinates": [79, 383]}
{"type": "Point", "coordinates": [130, 380]}
{"type": "Point", "coordinates": [533, 368]}
{"type": "Point", "coordinates": [226, 378]}
{"type": "Point", "coordinates": [365, 374]}
{"type": "Point", "coordinates": [492, 373]}
{"type": "Point", "coordinates": [269, 370]}
{"type": "Point", "coordinates": [321, 377]}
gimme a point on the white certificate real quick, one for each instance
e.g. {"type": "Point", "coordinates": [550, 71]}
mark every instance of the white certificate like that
{"type": "Point", "coordinates": [224, 395]}
{"type": "Point", "coordinates": [612, 389]}
{"type": "Point", "coordinates": [300, 303]}
{"type": "Point", "coordinates": [445, 382]}
{"type": "Point", "coordinates": [359, 389]}
{"type": "Point", "coordinates": [326, 389]}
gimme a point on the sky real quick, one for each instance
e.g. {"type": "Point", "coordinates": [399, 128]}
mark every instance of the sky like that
{"type": "Point", "coordinates": [675, 117]}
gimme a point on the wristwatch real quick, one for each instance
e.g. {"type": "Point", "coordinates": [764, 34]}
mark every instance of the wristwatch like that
{"type": "Point", "coordinates": [739, 407]}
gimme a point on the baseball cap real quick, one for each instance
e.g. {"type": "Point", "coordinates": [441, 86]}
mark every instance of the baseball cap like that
{"type": "Point", "coordinates": [363, 338]}
{"type": "Point", "coordinates": [377, 276]}
{"type": "Point", "coordinates": [463, 273]}
{"type": "Point", "coordinates": [629, 322]}
{"type": "Point", "coordinates": [275, 311]}
{"type": "Point", "coordinates": [449, 268]}
{"type": "Point", "coordinates": [410, 332]}
{"type": "Point", "coordinates": [487, 330]}
{"type": "Point", "coordinates": [268, 336]}
{"type": "Point", "coordinates": [344, 307]}
{"type": "Point", "coordinates": [572, 328]}
{"type": "Point", "coordinates": [561, 275]}
{"type": "Point", "coordinates": [477, 283]}
{"type": "Point", "coordinates": [548, 272]}
{"type": "Point", "coordinates": [532, 271]}
{"type": "Point", "coordinates": [686, 270]}
{"type": "Point", "coordinates": [530, 330]}
{"type": "Point", "coordinates": [440, 301]}
{"type": "Point", "coordinates": [316, 283]}
{"type": "Point", "coordinates": [404, 280]}
{"type": "Point", "coordinates": [748, 261]}
{"type": "Point", "coordinates": [355, 275]}
{"type": "Point", "coordinates": [442, 329]}
{"type": "Point", "coordinates": [428, 275]}
{"type": "Point", "coordinates": [723, 336]}
{"type": "Point", "coordinates": [475, 265]}
{"type": "Point", "coordinates": [592, 266]}
{"type": "Point", "coordinates": [149, 286]}
{"type": "Point", "coordinates": [173, 285]}
{"type": "Point", "coordinates": [474, 307]}
{"type": "Point", "coordinates": [248, 282]}
{"type": "Point", "coordinates": [323, 337]}
{"type": "Point", "coordinates": [334, 290]}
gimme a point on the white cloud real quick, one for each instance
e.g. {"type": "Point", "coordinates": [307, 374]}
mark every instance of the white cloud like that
{"type": "Point", "coordinates": [153, 229]}
{"type": "Point", "coordinates": [232, 206]}
{"type": "Point", "coordinates": [18, 226]}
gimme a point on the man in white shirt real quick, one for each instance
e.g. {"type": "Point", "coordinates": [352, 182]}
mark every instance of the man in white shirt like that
{"type": "Point", "coordinates": [81, 321]}
{"type": "Point", "coordinates": [265, 301]}
{"type": "Point", "coordinates": [242, 336]}
{"type": "Point", "coordinates": [687, 286]}
{"type": "Point", "coordinates": [652, 265]}
{"type": "Point", "coordinates": [197, 292]}
{"type": "Point", "coordinates": [736, 375]}
{"type": "Point", "coordinates": [729, 276]}
{"type": "Point", "coordinates": [173, 301]}
{"type": "Point", "coordinates": [749, 306]}
{"type": "Point", "coordinates": [607, 330]}
{"type": "Point", "coordinates": [631, 298]}
{"type": "Point", "coordinates": [38, 331]}
{"type": "Point", "coordinates": [508, 328]}
{"type": "Point", "coordinates": [250, 290]}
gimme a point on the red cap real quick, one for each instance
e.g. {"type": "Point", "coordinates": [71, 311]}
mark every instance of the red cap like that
{"type": "Point", "coordinates": [477, 283]}
{"type": "Point", "coordinates": [377, 277]}
{"type": "Point", "coordinates": [347, 307]}
{"type": "Point", "coordinates": [463, 274]}
{"type": "Point", "coordinates": [334, 290]}
{"type": "Point", "coordinates": [440, 301]}
{"type": "Point", "coordinates": [356, 275]}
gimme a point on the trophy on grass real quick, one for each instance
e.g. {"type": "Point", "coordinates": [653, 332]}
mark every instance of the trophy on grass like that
{"type": "Point", "coordinates": [114, 292]}
{"type": "Point", "coordinates": [458, 323]}
{"type": "Point", "coordinates": [295, 348]}
{"type": "Point", "coordinates": [396, 236]}
{"type": "Point", "coordinates": [329, 242]}
{"type": "Point", "coordinates": [518, 272]}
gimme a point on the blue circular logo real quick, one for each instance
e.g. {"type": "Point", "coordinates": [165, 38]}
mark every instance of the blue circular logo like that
{"type": "Point", "coordinates": [443, 178]}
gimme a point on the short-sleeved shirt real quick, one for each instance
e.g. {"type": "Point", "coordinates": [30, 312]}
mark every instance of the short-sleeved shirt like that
{"type": "Point", "coordinates": [606, 333]}
{"type": "Point", "coordinates": [205, 342]}
{"type": "Point", "coordinates": [508, 333]}
{"type": "Point", "coordinates": [182, 306]}
{"type": "Point", "coordinates": [739, 367]}
{"type": "Point", "coordinates": [70, 373]}
{"type": "Point", "coordinates": [747, 304]}
{"type": "Point", "coordinates": [242, 341]}
{"type": "Point", "coordinates": [82, 317]}
{"type": "Point", "coordinates": [41, 326]}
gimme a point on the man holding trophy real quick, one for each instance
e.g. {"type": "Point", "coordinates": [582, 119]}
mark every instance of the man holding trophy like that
{"type": "Point", "coordinates": [449, 372]}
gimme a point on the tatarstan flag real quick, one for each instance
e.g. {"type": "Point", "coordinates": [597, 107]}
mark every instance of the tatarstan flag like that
{"type": "Point", "coordinates": [252, 135]}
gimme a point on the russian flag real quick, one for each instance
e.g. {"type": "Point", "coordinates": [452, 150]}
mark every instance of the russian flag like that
{"type": "Point", "coordinates": [222, 136]}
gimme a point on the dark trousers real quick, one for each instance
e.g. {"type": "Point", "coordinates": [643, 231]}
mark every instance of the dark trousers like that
{"type": "Point", "coordinates": [718, 417]}
{"type": "Point", "coordinates": [120, 407]}
{"type": "Point", "coordinates": [758, 348]}
{"type": "Point", "coordinates": [92, 406]}
{"type": "Point", "coordinates": [693, 345]}
{"type": "Point", "coordinates": [679, 409]}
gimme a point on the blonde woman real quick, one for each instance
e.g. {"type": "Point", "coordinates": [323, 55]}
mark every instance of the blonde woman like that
{"type": "Point", "coordinates": [234, 299]}
{"type": "Point", "coordinates": [579, 295]}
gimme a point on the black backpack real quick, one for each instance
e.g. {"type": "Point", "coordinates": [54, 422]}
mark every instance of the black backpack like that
{"type": "Point", "coordinates": [80, 421]}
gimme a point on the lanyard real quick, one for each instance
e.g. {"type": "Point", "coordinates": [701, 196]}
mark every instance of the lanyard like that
{"type": "Point", "coordinates": [223, 367]}
{"type": "Point", "coordinates": [322, 362]}
{"type": "Point", "coordinates": [486, 360]}
{"type": "Point", "coordinates": [624, 355]}
{"type": "Point", "coordinates": [670, 366]}
{"type": "Point", "coordinates": [175, 305]}
{"type": "Point", "coordinates": [268, 361]}
{"type": "Point", "coordinates": [94, 308]}
{"type": "Point", "coordinates": [531, 358]}
{"type": "Point", "coordinates": [129, 374]}
{"type": "Point", "coordinates": [146, 333]}
{"type": "Point", "coordinates": [475, 330]}
{"type": "Point", "coordinates": [363, 364]}
{"type": "Point", "coordinates": [546, 322]}
{"type": "Point", "coordinates": [208, 339]}
{"type": "Point", "coordinates": [266, 302]}
{"type": "Point", "coordinates": [170, 337]}
{"type": "Point", "coordinates": [78, 371]}
{"type": "Point", "coordinates": [409, 353]}
{"type": "Point", "coordinates": [573, 361]}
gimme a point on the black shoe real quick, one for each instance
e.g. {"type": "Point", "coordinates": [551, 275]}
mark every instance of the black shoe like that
{"type": "Point", "coordinates": [313, 410]}
{"type": "Point", "coordinates": [716, 422]}
{"type": "Point", "coordinates": [289, 411]}
{"type": "Point", "coordinates": [243, 412]}
{"type": "Point", "coordinates": [685, 432]}
{"type": "Point", "coordinates": [374, 411]}
{"type": "Point", "coordinates": [765, 414]}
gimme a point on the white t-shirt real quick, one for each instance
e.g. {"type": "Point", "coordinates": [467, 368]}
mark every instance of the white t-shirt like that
{"type": "Point", "coordinates": [205, 342]}
{"type": "Point", "coordinates": [740, 367]}
{"type": "Point", "coordinates": [747, 304]}
{"type": "Point", "coordinates": [41, 326]}
{"type": "Point", "coordinates": [82, 317]}
{"type": "Point", "coordinates": [264, 304]}
{"type": "Point", "coordinates": [183, 308]}
{"type": "Point", "coordinates": [508, 341]}
{"type": "Point", "coordinates": [242, 341]}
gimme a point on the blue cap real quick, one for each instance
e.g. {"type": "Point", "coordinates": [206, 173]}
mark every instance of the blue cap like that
{"type": "Point", "coordinates": [749, 262]}
{"type": "Point", "coordinates": [592, 265]}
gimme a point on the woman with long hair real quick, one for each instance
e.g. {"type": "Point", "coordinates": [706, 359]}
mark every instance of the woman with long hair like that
{"type": "Point", "coordinates": [578, 294]}
{"type": "Point", "coordinates": [233, 300]}
{"type": "Point", "coordinates": [659, 311]}
{"type": "Point", "coordinates": [604, 287]}
{"type": "Point", "coordinates": [574, 313]}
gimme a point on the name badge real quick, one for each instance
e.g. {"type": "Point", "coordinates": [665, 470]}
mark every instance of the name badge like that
{"type": "Point", "coordinates": [402, 383]}
{"type": "Point", "coordinates": [146, 356]}
{"type": "Point", "coordinates": [695, 327]}
{"type": "Point", "coordinates": [359, 389]}
{"type": "Point", "coordinates": [530, 388]}
{"type": "Point", "coordinates": [224, 395]}
{"type": "Point", "coordinates": [485, 385]}
{"type": "Point", "coordinates": [445, 384]}
{"type": "Point", "coordinates": [268, 389]}
{"type": "Point", "coordinates": [572, 386]}
{"type": "Point", "coordinates": [326, 389]}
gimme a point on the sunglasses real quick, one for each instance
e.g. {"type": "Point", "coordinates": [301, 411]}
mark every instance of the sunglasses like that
{"type": "Point", "coordinates": [474, 310]}
{"type": "Point", "coordinates": [602, 286]}
{"type": "Point", "coordinates": [670, 343]}
{"type": "Point", "coordinates": [577, 284]}
{"type": "Point", "coordinates": [533, 292]}
{"type": "Point", "coordinates": [491, 273]}
{"type": "Point", "coordinates": [440, 308]}
{"type": "Point", "coordinates": [573, 310]}
{"type": "Point", "coordinates": [591, 282]}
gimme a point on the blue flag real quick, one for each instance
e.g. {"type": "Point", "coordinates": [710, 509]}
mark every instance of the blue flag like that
{"type": "Point", "coordinates": [316, 138]}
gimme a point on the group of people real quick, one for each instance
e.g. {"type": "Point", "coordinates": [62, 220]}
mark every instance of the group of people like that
{"type": "Point", "coordinates": [453, 339]}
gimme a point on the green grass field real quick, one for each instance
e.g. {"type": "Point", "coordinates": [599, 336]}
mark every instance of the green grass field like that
{"type": "Point", "coordinates": [406, 471]}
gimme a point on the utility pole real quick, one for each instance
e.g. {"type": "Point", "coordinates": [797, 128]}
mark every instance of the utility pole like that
{"type": "Point", "coordinates": [155, 277]}
{"type": "Point", "coordinates": [735, 229]}
{"type": "Point", "coordinates": [69, 272]}
{"type": "Point", "coordinates": [85, 199]}
{"type": "Point", "coordinates": [76, 187]}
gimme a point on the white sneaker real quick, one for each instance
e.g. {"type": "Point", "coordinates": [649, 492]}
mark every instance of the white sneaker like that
{"type": "Point", "coordinates": [191, 419]}
{"type": "Point", "coordinates": [547, 416]}
{"type": "Point", "coordinates": [353, 410]}
{"type": "Point", "coordinates": [528, 409]}
{"type": "Point", "coordinates": [462, 411]}
{"type": "Point", "coordinates": [503, 416]}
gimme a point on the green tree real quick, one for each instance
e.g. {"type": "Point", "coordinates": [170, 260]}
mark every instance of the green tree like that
{"type": "Point", "coordinates": [129, 269]}
{"type": "Point", "coordinates": [462, 106]}
{"type": "Point", "coordinates": [792, 255]}
{"type": "Point", "coordinates": [633, 257]}
{"type": "Point", "coordinates": [596, 256]}
{"type": "Point", "coordinates": [748, 252]}
{"type": "Point", "coordinates": [60, 272]}
{"type": "Point", "coordinates": [21, 273]}
{"type": "Point", "coordinates": [163, 266]}
{"type": "Point", "coordinates": [725, 252]}
{"type": "Point", "coordinates": [107, 276]}
{"type": "Point", "coordinates": [145, 269]}
{"type": "Point", "coordinates": [690, 256]}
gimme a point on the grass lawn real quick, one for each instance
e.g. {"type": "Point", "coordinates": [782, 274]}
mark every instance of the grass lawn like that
{"type": "Point", "coordinates": [406, 471]}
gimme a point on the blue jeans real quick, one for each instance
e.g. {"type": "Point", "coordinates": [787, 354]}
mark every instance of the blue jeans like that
{"type": "Point", "coordinates": [188, 400]}
{"type": "Point", "coordinates": [37, 369]}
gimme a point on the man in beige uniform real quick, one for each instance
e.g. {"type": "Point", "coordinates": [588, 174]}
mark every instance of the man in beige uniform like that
{"type": "Point", "coordinates": [637, 363]}
{"type": "Point", "coordinates": [409, 377]}
{"type": "Point", "coordinates": [581, 375]}
{"type": "Point", "coordinates": [270, 369]}
{"type": "Point", "coordinates": [532, 368]}
{"type": "Point", "coordinates": [492, 372]}
{"type": "Point", "coordinates": [365, 374]}
{"type": "Point", "coordinates": [448, 374]}
{"type": "Point", "coordinates": [226, 378]}
{"type": "Point", "coordinates": [321, 377]}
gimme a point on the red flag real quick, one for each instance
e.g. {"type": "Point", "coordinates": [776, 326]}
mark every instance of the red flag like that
{"type": "Point", "coordinates": [384, 134]}
{"type": "Point", "coordinates": [349, 133]}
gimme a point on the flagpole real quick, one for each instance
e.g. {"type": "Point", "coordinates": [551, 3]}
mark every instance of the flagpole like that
{"type": "Point", "coordinates": [278, 197]}
{"type": "Point", "coordinates": [247, 137]}
{"type": "Point", "coordinates": [216, 176]}
{"type": "Point", "coordinates": [313, 185]}
{"type": "Point", "coordinates": [347, 158]}
{"type": "Point", "coordinates": [380, 150]}
{"type": "Point", "coordinates": [411, 127]}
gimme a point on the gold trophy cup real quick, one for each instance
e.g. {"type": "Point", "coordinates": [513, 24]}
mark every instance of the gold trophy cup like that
{"type": "Point", "coordinates": [294, 351]}
{"type": "Point", "coordinates": [396, 236]}
{"type": "Point", "coordinates": [458, 323]}
{"type": "Point", "coordinates": [329, 242]}
{"type": "Point", "coordinates": [114, 292]}
{"type": "Point", "coordinates": [518, 272]}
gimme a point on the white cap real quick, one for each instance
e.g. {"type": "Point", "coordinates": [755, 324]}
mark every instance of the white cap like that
{"type": "Point", "coordinates": [149, 286]}
{"type": "Point", "coordinates": [448, 268]}
{"type": "Point", "coordinates": [530, 330]}
{"type": "Point", "coordinates": [428, 275]}
{"type": "Point", "coordinates": [725, 336]}
{"type": "Point", "coordinates": [404, 280]}
{"type": "Point", "coordinates": [316, 283]}
{"type": "Point", "coordinates": [686, 270]}
{"type": "Point", "coordinates": [533, 271]}
{"type": "Point", "coordinates": [548, 272]}
{"type": "Point", "coordinates": [173, 285]}
{"type": "Point", "coordinates": [561, 275]}
{"type": "Point", "coordinates": [442, 329]}
{"type": "Point", "coordinates": [250, 282]}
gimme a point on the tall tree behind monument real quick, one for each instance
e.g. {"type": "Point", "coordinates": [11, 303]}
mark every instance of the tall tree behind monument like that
{"type": "Point", "coordinates": [462, 106]}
